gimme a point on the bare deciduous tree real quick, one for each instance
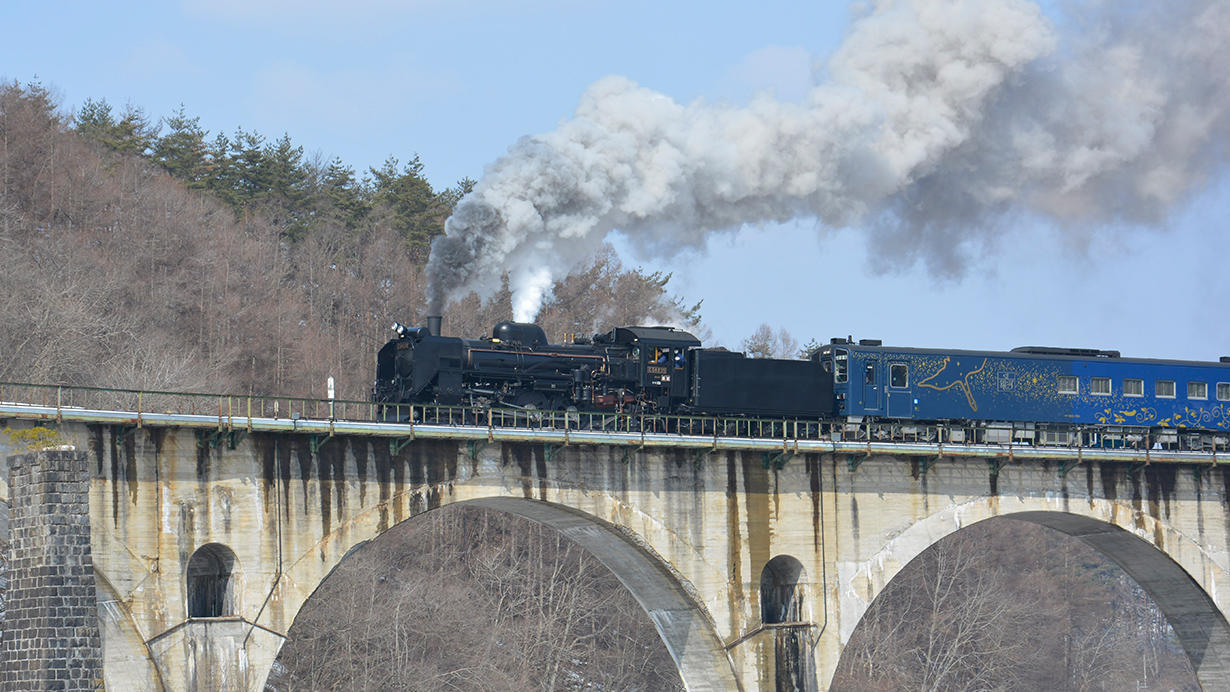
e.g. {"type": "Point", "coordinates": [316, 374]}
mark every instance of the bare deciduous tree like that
{"type": "Point", "coordinates": [472, 599]}
{"type": "Point", "coordinates": [1008, 605]}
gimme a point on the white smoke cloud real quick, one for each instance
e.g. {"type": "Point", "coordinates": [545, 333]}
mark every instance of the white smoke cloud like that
{"type": "Point", "coordinates": [937, 119]}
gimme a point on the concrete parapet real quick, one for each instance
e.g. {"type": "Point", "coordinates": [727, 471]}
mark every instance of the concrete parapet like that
{"type": "Point", "coordinates": [51, 638]}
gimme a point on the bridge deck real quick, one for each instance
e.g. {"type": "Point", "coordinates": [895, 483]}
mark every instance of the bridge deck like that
{"type": "Point", "coordinates": [219, 416]}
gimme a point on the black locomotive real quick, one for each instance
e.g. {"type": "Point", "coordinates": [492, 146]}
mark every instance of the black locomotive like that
{"type": "Point", "coordinates": [628, 369]}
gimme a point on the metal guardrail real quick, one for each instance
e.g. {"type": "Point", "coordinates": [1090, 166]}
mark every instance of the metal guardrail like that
{"type": "Point", "coordinates": [781, 438]}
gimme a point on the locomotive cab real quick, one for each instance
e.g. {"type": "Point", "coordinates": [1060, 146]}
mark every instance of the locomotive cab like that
{"type": "Point", "coordinates": [658, 358]}
{"type": "Point", "coordinates": [834, 359]}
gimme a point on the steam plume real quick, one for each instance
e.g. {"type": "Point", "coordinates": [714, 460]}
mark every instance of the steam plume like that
{"type": "Point", "coordinates": [937, 119]}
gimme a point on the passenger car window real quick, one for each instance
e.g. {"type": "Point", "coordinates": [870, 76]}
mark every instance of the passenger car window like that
{"type": "Point", "coordinates": [1067, 384]}
{"type": "Point", "coordinates": [1164, 389]}
{"type": "Point", "coordinates": [898, 375]}
{"type": "Point", "coordinates": [1133, 387]}
{"type": "Point", "coordinates": [1197, 390]}
{"type": "Point", "coordinates": [1223, 391]}
{"type": "Point", "coordinates": [1099, 385]}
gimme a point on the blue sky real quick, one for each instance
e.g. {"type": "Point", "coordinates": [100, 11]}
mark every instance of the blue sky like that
{"type": "Point", "coordinates": [459, 81]}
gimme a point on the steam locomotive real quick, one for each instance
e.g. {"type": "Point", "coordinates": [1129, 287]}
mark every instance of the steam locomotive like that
{"type": "Point", "coordinates": [1050, 391]}
{"type": "Point", "coordinates": [628, 369]}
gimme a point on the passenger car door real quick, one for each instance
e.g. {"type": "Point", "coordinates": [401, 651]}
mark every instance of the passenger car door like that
{"type": "Point", "coordinates": [900, 397]}
{"type": "Point", "coordinates": [871, 384]}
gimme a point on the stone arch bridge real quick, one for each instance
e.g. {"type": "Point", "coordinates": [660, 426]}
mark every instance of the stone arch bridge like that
{"type": "Point", "coordinates": [755, 556]}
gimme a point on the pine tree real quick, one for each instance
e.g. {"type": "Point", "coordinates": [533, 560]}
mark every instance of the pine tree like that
{"type": "Point", "coordinates": [284, 174]}
{"type": "Point", "coordinates": [134, 133]}
{"type": "Point", "coordinates": [223, 175]}
{"type": "Point", "coordinates": [418, 212]}
{"type": "Point", "coordinates": [343, 197]}
{"type": "Point", "coordinates": [247, 153]}
{"type": "Point", "coordinates": [182, 151]}
{"type": "Point", "coordinates": [131, 135]}
{"type": "Point", "coordinates": [94, 121]}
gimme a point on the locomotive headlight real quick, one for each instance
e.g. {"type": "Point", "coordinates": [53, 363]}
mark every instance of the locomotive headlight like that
{"type": "Point", "coordinates": [399, 328]}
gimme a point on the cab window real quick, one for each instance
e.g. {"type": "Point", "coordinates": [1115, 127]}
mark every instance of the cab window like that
{"type": "Point", "coordinates": [870, 374]}
{"type": "Point", "coordinates": [841, 364]}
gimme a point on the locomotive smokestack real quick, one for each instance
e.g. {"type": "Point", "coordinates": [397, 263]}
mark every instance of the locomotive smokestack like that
{"type": "Point", "coordinates": [433, 324]}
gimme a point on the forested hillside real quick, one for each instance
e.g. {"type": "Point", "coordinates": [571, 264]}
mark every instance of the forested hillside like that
{"type": "Point", "coordinates": [154, 254]}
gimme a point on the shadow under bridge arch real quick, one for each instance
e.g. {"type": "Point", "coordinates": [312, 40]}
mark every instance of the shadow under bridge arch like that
{"type": "Point", "coordinates": [689, 637]}
{"type": "Point", "coordinates": [1180, 576]}
{"type": "Point", "coordinates": [1200, 625]}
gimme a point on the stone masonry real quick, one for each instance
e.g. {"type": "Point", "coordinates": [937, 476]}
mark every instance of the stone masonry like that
{"type": "Point", "coordinates": [51, 639]}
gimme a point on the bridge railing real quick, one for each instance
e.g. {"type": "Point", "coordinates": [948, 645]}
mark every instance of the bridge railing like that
{"type": "Point", "coordinates": [231, 410]}
{"type": "Point", "coordinates": [227, 406]}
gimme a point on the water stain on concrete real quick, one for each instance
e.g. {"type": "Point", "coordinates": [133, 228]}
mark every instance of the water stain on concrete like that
{"type": "Point", "coordinates": [812, 462]}
{"type": "Point", "coordinates": [266, 449]}
{"type": "Point", "coordinates": [523, 458]}
{"type": "Point", "coordinates": [383, 462]}
{"type": "Point", "coordinates": [756, 515]}
{"type": "Point", "coordinates": [734, 545]}
{"type": "Point", "coordinates": [360, 449]}
{"type": "Point", "coordinates": [1107, 471]}
{"type": "Point", "coordinates": [1089, 482]}
{"type": "Point", "coordinates": [1161, 481]}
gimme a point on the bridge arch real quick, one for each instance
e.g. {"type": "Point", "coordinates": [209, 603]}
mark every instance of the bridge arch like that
{"type": "Point", "coordinates": [211, 576]}
{"type": "Point", "coordinates": [782, 591]}
{"type": "Point", "coordinates": [1183, 579]}
{"type": "Point", "coordinates": [785, 607]}
{"type": "Point", "coordinates": [682, 623]}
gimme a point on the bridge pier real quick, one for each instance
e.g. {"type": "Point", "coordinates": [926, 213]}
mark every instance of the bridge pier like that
{"type": "Point", "coordinates": [51, 636]}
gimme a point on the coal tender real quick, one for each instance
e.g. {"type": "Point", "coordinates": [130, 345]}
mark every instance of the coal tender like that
{"type": "Point", "coordinates": [628, 370]}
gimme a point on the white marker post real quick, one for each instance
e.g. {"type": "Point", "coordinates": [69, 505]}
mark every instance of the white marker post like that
{"type": "Point", "coordinates": [330, 385]}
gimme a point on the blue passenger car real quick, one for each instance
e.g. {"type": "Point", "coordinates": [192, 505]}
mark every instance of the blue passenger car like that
{"type": "Point", "coordinates": [1030, 384]}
